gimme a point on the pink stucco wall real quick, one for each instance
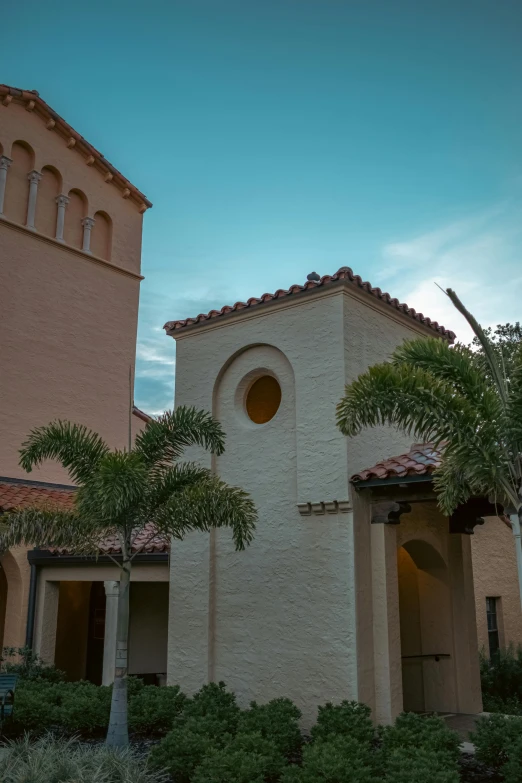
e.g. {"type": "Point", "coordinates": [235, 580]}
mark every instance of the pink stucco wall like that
{"type": "Point", "coordinates": [495, 576]}
{"type": "Point", "coordinates": [69, 318]}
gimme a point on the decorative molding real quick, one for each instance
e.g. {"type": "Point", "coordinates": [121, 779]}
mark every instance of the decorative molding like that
{"type": "Point", "coordinates": [34, 177]}
{"type": "Point", "coordinates": [7, 100]}
{"type": "Point", "coordinates": [68, 248]}
{"type": "Point", "coordinates": [88, 222]}
{"type": "Point", "coordinates": [143, 208]}
{"type": "Point", "coordinates": [71, 142]}
{"type": "Point", "coordinates": [389, 513]}
{"type": "Point", "coordinates": [62, 201]}
{"type": "Point", "coordinates": [125, 193]}
{"type": "Point", "coordinates": [324, 507]}
{"type": "Point", "coordinates": [468, 515]}
{"type": "Point", "coordinates": [5, 162]}
{"type": "Point", "coordinates": [109, 176]}
{"type": "Point", "coordinates": [30, 105]}
{"type": "Point", "coordinates": [50, 124]}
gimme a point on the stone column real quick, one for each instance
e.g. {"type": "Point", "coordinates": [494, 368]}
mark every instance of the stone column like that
{"type": "Point", "coordinates": [46, 620]}
{"type": "Point", "coordinates": [112, 592]}
{"type": "Point", "coordinates": [5, 162]}
{"type": "Point", "coordinates": [386, 623]}
{"type": "Point", "coordinates": [34, 178]}
{"type": "Point", "coordinates": [87, 224]}
{"type": "Point", "coordinates": [62, 202]}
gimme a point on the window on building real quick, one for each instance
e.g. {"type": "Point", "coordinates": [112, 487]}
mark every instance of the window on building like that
{"type": "Point", "coordinates": [263, 399]}
{"type": "Point", "coordinates": [492, 617]}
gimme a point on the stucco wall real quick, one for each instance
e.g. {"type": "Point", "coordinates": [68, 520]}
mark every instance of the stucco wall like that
{"type": "Point", "coordinates": [495, 576]}
{"type": "Point", "coordinates": [69, 320]}
{"type": "Point", "coordinates": [278, 619]}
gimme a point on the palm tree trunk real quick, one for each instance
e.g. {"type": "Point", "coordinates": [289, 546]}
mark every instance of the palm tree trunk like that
{"type": "Point", "coordinates": [118, 733]}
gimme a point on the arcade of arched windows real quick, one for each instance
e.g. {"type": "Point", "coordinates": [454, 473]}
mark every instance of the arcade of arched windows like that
{"type": "Point", "coordinates": [36, 200]}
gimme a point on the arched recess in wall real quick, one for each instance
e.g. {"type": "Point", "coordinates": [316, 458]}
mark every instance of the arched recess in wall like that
{"type": "Point", "coordinates": [49, 188]}
{"type": "Point", "coordinates": [17, 185]}
{"type": "Point", "coordinates": [101, 236]}
{"type": "Point", "coordinates": [13, 613]}
{"type": "Point", "coordinates": [76, 211]}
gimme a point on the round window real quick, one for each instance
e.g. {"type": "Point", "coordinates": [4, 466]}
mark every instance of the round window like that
{"type": "Point", "coordinates": [263, 399]}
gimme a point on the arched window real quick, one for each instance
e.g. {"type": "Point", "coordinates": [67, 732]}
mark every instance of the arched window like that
{"type": "Point", "coordinates": [101, 236]}
{"type": "Point", "coordinates": [75, 212]}
{"type": "Point", "coordinates": [17, 186]}
{"type": "Point", "coordinates": [50, 186]}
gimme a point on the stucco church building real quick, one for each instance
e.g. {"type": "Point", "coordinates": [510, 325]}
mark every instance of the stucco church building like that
{"type": "Point", "coordinates": [355, 586]}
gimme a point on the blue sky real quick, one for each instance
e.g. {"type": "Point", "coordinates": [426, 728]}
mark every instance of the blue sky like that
{"type": "Point", "coordinates": [277, 137]}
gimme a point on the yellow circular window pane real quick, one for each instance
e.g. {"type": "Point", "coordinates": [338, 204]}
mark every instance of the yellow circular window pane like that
{"type": "Point", "coordinates": [263, 399]}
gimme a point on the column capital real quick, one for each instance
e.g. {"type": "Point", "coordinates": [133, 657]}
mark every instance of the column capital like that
{"type": "Point", "coordinates": [5, 162]}
{"type": "Point", "coordinates": [88, 222]}
{"type": "Point", "coordinates": [34, 177]}
{"type": "Point", "coordinates": [112, 589]}
{"type": "Point", "coordinates": [62, 201]}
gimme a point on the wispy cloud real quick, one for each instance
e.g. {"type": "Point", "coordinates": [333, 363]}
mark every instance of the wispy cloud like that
{"type": "Point", "coordinates": [479, 256]}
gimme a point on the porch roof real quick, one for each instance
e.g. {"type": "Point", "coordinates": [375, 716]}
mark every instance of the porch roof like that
{"type": "Point", "coordinates": [420, 461]}
{"type": "Point", "coordinates": [21, 493]}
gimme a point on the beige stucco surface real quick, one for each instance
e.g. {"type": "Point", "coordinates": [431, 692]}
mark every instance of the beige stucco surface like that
{"type": "Point", "coordinates": [279, 619]}
{"type": "Point", "coordinates": [495, 576]}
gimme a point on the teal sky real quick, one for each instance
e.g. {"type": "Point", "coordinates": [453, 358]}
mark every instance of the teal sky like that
{"type": "Point", "coordinates": [278, 137]}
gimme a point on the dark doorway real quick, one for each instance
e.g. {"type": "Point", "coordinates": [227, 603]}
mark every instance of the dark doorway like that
{"type": "Point", "coordinates": [95, 639]}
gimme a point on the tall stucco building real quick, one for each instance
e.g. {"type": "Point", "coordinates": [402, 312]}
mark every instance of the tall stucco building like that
{"type": "Point", "coordinates": [70, 272]}
{"type": "Point", "coordinates": [355, 586]}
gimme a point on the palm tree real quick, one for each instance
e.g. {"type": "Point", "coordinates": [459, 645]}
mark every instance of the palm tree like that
{"type": "Point", "coordinates": [134, 495]}
{"type": "Point", "coordinates": [468, 402]}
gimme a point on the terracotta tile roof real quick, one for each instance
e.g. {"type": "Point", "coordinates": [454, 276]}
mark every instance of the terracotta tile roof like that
{"type": "Point", "coordinates": [23, 494]}
{"type": "Point", "coordinates": [343, 276]}
{"type": "Point", "coordinates": [32, 102]}
{"type": "Point", "coordinates": [421, 460]}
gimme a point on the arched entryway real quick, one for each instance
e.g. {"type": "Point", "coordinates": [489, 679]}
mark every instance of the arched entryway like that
{"type": "Point", "coordinates": [428, 670]}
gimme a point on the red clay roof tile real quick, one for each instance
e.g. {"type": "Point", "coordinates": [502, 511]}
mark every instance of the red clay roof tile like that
{"type": "Point", "coordinates": [421, 460]}
{"type": "Point", "coordinates": [18, 495]}
{"type": "Point", "coordinates": [343, 274]}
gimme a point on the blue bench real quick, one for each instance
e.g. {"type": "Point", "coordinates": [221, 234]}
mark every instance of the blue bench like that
{"type": "Point", "coordinates": [7, 689]}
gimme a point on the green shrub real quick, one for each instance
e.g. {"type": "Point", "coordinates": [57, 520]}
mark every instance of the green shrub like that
{"type": "Point", "coordinates": [247, 758]}
{"type": "Point", "coordinates": [153, 710]}
{"type": "Point", "coordinates": [72, 707]}
{"type": "Point", "coordinates": [182, 750]}
{"type": "Point", "coordinates": [418, 731]}
{"type": "Point", "coordinates": [29, 666]}
{"type": "Point", "coordinates": [501, 678]}
{"type": "Point", "coordinates": [277, 721]}
{"type": "Point", "coordinates": [337, 759]}
{"type": "Point", "coordinates": [512, 769]}
{"type": "Point", "coordinates": [214, 701]}
{"type": "Point", "coordinates": [420, 765]}
{"type": "Point", "coordinates": [54, 760]}
{"type": "Point", "coordinates": [493, 737]}
{"type": "Point", "coordinates": [348, 718]}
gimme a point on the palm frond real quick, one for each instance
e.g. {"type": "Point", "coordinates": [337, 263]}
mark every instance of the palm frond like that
{"type": "Point", "coordinates": [77, 448]}
{"type": "Point", "coordinates": [113, 490]}
{"type": "Point", "coordinates": [489, 353]}
{"type": "Point", "coordinates": [456, 365]}
{"type": "Point", "coordinates": [49, 527]}
{"type": "Point", "coordinates": [165, 481]}
{"type": "Point", "coordinates": [164, 439]}
{"type": "Point", "coordinates": [415, 401]}
{"type": "Point", "coordinates": [208, 504]}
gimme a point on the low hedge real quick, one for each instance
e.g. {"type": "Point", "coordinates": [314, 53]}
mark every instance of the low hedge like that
{"type": "Point", "coordinates": [497, 739]}
{"type": "Point", "coordinates": [84, 708]}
